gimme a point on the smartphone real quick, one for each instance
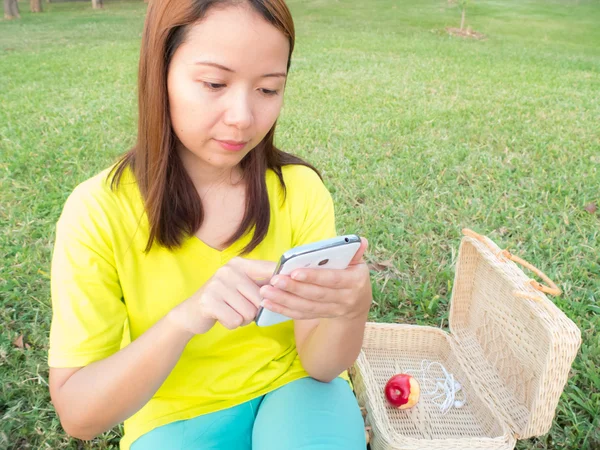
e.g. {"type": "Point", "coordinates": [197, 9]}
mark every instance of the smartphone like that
{"type": "Point", "coordinates": [334, 253]}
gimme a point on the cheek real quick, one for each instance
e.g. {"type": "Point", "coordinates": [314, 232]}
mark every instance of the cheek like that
{"type": "Point", "coordinates": [267, 114]}
{"type": "Point", "coordinates": [188, 116]}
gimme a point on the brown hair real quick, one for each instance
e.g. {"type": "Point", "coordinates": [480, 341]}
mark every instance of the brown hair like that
{"type": "Point", "coordinates": [172, 204]}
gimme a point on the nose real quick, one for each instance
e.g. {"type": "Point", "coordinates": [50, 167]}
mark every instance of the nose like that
{"type": "Point", "coordinates": [239, 111]}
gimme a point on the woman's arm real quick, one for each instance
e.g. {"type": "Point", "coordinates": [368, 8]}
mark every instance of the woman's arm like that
{"type": "Point", "coordinates": [331, 308]}
{"type": "Point", "coordinates": [329, 346]}
{"type": "Point", "coordinates": [92, 399]}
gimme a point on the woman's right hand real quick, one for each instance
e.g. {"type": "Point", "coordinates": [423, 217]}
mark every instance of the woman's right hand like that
{"type": "Point", "coordinates": [231, 296]}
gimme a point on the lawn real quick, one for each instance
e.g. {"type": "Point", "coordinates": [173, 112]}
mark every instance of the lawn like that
{"type": "Point", "coordinates": [418, 134]}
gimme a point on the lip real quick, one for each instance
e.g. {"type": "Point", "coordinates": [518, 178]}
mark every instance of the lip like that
{"type": "Point", "coordinates": [232, 146]}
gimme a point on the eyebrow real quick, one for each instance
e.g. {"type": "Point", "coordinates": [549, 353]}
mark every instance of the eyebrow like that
{"type": "Point", "coordinates": [227, 69]}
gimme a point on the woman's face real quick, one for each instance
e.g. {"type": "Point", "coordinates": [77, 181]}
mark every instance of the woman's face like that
{"type": "Point", "coordinates": [225, 86]}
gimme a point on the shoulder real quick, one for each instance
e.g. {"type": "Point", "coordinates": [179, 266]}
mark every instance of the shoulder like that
{"type": "Point", "coordinates": [91, 192]}
{"type": "Point", "coordinates": [96, 187]}
{"type": "Point", "coordinates": [304, 190]}
{"type": "Point", "coordinates": [298, 179]}
{"type": "Point", "coordinates": [308, 204]}
{"type": "Point", "coordinates": [299, 174]}
{"type": "Point", "coordinates": [95, 202]}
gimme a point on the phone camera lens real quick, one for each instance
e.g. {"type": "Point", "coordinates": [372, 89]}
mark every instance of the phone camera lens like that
{"type": "Point", "coordinates": [322, 263]}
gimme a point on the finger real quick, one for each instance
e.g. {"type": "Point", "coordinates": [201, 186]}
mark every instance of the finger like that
{"type": "Point", "coordinates": [330, 278]}
{"type": "Point", "coordinates": [358, 257]}
{"type": "Point", "coordinates": [249, 290]}
{"type": "Point", "coordinates": [301, 289]}
{"type": "Point", "coordinates": [257, 270]}
{"type": "Point", "coordinates": [289, 312]}
{"type": "Point", "coordinates": [225, 314]}
{"type": "Point", "coordinates": [232, 276]}
{"type": "Point", "coordinates": [241, 305]}
{"type": "Point", "coordinates": [298, 304]}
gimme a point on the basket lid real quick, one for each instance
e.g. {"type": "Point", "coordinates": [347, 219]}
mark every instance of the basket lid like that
{"type": "Point", "coordinates": [517, 345]}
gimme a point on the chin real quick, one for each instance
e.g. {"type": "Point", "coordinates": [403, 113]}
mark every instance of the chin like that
{"type": "Point", "coordinates": [215, 159]}
{"type": "Point", "coordinates": [224, 162]}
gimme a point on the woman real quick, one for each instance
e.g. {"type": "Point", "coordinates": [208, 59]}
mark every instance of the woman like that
{"type": "Point", "coordinates": [179, 241]}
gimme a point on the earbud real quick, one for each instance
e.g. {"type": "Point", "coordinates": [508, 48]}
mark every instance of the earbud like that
{"type": "Point", "coordinates": [444, 389]}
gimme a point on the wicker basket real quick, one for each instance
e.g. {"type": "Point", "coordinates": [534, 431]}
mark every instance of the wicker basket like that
{"type": "Point", "coordinates": [510, 348]}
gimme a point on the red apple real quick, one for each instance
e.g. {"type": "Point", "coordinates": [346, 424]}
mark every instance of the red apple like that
{"type": "Point", "coordinates": [402, 391]}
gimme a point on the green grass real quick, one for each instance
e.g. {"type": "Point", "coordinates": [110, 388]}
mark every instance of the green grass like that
{"type": "Point", "coordinates": [417, 133]}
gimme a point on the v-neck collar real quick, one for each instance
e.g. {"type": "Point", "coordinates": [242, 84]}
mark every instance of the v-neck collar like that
{"type": "Point", "coordinates": [227, 253]}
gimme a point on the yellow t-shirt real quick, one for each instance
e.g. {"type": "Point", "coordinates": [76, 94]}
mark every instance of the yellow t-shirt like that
{"type": "Point", "coordinates": [101, 279]}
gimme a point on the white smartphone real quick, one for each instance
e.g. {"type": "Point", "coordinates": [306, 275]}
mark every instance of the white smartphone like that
{"type": "Point", "coordinates": [334, 253]}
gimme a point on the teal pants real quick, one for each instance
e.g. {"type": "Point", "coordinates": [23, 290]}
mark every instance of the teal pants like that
{"type": "Point", "coordinates": [304, 414]}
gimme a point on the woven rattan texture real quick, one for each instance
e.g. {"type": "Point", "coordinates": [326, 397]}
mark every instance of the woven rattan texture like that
{"type": "Point", "coordinates": [512, 356]}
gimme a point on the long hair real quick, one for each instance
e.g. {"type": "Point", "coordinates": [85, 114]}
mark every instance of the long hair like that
{"type": "Point", "coordinates": [172, 204]}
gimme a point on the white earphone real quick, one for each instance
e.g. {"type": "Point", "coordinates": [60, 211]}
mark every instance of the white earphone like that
{"type": "Point", "coordinates": [444, 389]}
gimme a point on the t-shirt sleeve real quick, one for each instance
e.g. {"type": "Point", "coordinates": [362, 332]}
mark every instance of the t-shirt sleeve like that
{"type": "Point", "coordinates": [88, 314]}
{"type": "Point", "coordinates": [313, 214]}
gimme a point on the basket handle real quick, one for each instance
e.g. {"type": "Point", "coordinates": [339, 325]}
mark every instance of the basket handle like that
{"type": "Point", "coordinates": [551, 289]}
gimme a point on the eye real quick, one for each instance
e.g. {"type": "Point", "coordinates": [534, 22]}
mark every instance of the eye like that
{"type": "Point", "coordinates": [269, 92]}
{"type": "Point", "coordinates": [213, 86]}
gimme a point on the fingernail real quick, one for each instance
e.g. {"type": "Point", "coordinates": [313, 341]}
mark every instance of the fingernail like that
{"type": "Point", "coordinates": [299, 276]}
{"type": "Point", "coordinates": [278, 282]}
{"type": "Point", "coordinates": [266, 304]}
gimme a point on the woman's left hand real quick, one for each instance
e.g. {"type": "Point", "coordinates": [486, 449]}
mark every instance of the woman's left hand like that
{"type": "Point", "coordinates": [322, 293]}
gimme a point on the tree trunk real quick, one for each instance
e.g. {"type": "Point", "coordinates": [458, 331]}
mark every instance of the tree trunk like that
{"type": "Point", "coordinates": [11, 9]}
{"type": "Point", "coordinates": [462, 19]}
{"type": "Point", "coordinates": [97, 4]}
{"type": "Point", "coordinates": [35, 5]}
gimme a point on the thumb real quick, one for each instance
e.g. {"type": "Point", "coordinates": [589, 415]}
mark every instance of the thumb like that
{"type": "Point", "coordinates": [358, 258]}
{"type": "Point", "coordinates": [258, 270]}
